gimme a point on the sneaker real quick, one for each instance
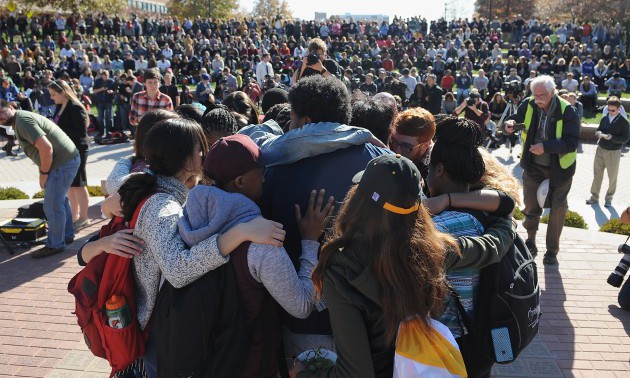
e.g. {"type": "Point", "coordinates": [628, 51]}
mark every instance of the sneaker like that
{"type": "Point", "coordinates": [69, 241]}
{"type": "Point", "coordinates": [591, 201]}
{"type": "Point", "coordinates": [550, 259]}
{"type": "Point", "coordinates": [608, 203]}
{"type": "Point", "coordinates": [46, 251]}
{"type": "Point", "coordinates": [531, 245]}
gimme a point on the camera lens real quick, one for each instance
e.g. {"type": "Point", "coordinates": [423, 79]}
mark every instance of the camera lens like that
{"type": "Point", "coordinates": [616, 277]}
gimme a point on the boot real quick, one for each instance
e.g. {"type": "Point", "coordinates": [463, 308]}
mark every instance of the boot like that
{"type": "Point", "coordinates": [8, 148]}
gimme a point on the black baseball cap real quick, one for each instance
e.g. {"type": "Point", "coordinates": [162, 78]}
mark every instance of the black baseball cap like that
{"type": "Point", "coordinates": [389, 180]}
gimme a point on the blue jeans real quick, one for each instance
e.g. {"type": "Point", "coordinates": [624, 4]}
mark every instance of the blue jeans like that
{"type": "Point", "coordinates": [462, 94]}
{"type": "Point", "coordinates": [105, 118]}
{"type": "Point", "coordinates": [56, 205]}
{"type": "Point", "coordinates": [124, 119]}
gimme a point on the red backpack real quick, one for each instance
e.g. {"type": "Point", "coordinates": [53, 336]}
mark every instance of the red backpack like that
{"type": "Point", "coordinates": [104, 276]}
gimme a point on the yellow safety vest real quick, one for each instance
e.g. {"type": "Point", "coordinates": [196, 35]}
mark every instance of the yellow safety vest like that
{"type": "Point", "coordinates": [566, 160]}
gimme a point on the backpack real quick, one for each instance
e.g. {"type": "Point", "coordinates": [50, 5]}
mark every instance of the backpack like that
{"type": "Point", "coordinates": [104, 276]}
{"type": "Point", "coordinates": [114, 137]}
{"type": "Point", "coordinates": [507, 311]}
{"type": "Point", "coordinates": [34, 210]}
{"type": "Point", "coordinates": [201, 327]}
{"type": "Point", "coordinates": [427, 352]}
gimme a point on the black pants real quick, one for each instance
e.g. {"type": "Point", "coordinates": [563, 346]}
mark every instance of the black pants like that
{"type": "Point", "coordinates": [477, 364]}
{"type": "Point", "coordinates": [624, 295]}
{"type": "Point", "coordinates": [532, 177]}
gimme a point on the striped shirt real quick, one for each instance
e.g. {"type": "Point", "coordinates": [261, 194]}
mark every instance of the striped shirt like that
{"type": "Point", "coordinates": [142, 104]}
{"type": "Point", "coordinates": [464, 281]}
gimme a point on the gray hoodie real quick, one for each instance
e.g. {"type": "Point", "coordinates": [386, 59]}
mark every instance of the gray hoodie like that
{"type": "Point", "coordinates": [210, 210]}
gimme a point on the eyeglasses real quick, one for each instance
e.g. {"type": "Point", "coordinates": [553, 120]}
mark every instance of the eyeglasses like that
{"type": "Point", "coordinates": [404, 147]}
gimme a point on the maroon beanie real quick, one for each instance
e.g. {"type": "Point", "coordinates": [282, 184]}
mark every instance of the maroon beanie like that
{"type": "Point", "coordinates": [230, 157]}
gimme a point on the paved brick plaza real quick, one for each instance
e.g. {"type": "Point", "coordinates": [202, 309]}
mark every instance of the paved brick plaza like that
{"type": "Point", "coordinates": [583, 332]}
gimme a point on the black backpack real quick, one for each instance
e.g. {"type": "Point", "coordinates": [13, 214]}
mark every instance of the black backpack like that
{"type": "Point", "coordinates": [507, 311]}
{"type": "Point", "coordinates": [34, 210]}
{"type": "Point", "coordinates": [200, 328]}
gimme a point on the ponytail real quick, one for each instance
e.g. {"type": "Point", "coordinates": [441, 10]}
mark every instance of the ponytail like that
{"type": "Point", "coordinates": [134, 190]}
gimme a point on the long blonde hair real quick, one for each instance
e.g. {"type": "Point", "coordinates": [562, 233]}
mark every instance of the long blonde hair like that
{"type": "Point", "coordinates": [497, 177]}
{"type": "Point", "coordinates": [61, 86]}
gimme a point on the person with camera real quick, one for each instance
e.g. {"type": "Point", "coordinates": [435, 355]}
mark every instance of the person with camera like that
{"type": "Point", "coordinates": [550, 135]}
{"type": "Point", "coordinates": [316, 63]}
{"type": "Point", "coordinates": [474, 108]}
{"type": "Point", "coordinates": [613, 132]}
{"type": "Point", "coordinates": [616, 277]}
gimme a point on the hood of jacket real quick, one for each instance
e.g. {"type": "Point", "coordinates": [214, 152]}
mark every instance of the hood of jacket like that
{"type": "Point", "coordinates": [210, 210]}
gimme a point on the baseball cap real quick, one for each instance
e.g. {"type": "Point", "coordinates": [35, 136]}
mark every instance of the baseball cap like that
{"type": "Point", "coordinates": [205, 77]}
{"type": "Point", "coordinates": [230, 157]}
{"type": "Point", "coordinates": [389, 180]}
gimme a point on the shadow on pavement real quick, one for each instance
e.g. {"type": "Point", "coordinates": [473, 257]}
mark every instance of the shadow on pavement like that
{"type": "Point", "coordinates": [556, 327]}
{"type": "Point", "coordinates": [21, 269]}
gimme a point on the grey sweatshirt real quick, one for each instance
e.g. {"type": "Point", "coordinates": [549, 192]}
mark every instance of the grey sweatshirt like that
{"type": "Point", "coordinates": [165, 252]}
{"type": "Point", "coordinates": [210, 210]}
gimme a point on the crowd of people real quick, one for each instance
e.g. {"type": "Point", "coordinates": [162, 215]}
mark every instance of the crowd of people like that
{"type": "Point", "coordinates": [378, 199]}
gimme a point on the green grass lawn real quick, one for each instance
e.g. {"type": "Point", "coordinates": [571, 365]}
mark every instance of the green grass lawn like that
{"type": "Point", "coordinates": [592, 118]}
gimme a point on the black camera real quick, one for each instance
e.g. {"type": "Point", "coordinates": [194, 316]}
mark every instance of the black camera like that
{"type": "Point", "coordinates": [312, 59]}
{"type": "Point", "coordinates": [470, 101]}
{"type": "Point", "coordinates": [513, 87]}
{"type": "Point", "coordinates": [616, 277]}
{"type": "Point", "coordinates": [519, 127]}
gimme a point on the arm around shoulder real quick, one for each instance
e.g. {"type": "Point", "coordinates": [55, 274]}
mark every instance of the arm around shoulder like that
{"type": "Point", "coordinates": [481, 251]}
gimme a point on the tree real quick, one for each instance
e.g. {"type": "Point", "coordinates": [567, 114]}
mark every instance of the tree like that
{"type": "Point", "coordinates": [270, 9]}
{"type": "Point", "coordinates": [489, 9]}
{"type": "Point", "coordinates": [221, 9]}
{"type": "Point", "coordinates": [83, 6]}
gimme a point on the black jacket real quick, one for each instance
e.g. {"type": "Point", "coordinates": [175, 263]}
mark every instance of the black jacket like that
{"type": "Point", "coordinates": [434, 104]}
{"type": "Point", "coordinates": [74, 121]}
{"type": "Point", "coordinates": [555, 147]}
{"type": "Point", "coordinates": [619, 130]}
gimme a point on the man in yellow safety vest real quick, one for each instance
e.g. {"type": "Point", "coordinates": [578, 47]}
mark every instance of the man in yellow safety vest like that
{"type": "Point", "coordinates": [550, 138]}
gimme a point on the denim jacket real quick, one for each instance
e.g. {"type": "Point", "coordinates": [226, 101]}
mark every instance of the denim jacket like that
{"type": "Point", "coordinates": [309, 140]}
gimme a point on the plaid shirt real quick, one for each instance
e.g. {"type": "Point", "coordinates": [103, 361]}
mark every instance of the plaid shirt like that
{"type": "Point", "coordinates": [141, 104]}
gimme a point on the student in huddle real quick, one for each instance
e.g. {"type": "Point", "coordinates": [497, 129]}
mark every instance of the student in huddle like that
{"type": "Point", "coordinates": [174, 150]}
{"type": "Point", "coordinates": [264, 273]}
{"type": "Point", "coordinates": [383, 263]}
{"type": "Point", "coordinates": [456, 164]}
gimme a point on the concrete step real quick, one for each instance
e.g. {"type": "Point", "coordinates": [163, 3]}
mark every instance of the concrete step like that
{"type": "Point", "coordinates": [625, 102]}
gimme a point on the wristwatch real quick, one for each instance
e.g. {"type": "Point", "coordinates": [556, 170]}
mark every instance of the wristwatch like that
{"type": "Point", "coordinates": [43, 173]}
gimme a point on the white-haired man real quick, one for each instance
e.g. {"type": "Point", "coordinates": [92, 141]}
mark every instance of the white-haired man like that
{"type": "Point", "coordinates": [550, 139]}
